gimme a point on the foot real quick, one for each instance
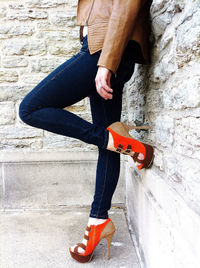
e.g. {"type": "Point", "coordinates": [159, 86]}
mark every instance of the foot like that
{"type": "Point", "coordinates": [110, 146]}
{"type": "Point", "coordinates": [91, 221]}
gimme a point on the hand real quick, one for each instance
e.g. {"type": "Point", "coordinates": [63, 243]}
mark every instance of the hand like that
{"type": "Point", "coordinates": [102, 81]}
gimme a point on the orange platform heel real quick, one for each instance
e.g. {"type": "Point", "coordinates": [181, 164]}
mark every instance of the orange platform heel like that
{"type": "Point", "coordinates": [95, 234]}
{"type": "Point", "coordinates": [125, 144]}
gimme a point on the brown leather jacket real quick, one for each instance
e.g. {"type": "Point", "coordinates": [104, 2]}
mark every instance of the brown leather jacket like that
{"type": "Point", "coordinates": [111, 24]}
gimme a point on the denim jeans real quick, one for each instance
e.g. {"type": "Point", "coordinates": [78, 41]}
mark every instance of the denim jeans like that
{"type": "Point", "coordinates": [69, 83]}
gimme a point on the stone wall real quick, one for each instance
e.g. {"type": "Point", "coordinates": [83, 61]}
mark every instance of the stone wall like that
{"type": "Point", "coordinates": [35, 37]}
{"type": "Point", "coordinates": [164, 202]}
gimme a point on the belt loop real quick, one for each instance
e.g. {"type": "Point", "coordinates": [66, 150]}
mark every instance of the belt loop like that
{"type": "Point", "coordinates": [81, 34]}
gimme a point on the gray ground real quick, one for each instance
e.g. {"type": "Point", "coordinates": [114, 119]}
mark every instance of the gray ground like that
{"type": "Point", "coordinates": [41, 238]}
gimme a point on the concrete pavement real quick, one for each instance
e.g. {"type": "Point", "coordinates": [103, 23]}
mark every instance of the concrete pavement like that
{"type": "Point", "coordinates": [41, 238]}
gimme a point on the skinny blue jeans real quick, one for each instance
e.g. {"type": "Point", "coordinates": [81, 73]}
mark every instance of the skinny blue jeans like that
{"type": "Point", "coordinates": [69, 83]}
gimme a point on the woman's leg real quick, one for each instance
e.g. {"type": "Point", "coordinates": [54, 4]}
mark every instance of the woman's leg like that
{"type": "Point", "coordinates": [104, 113]}
{"type": "Point", "coordinates": [67, 84]}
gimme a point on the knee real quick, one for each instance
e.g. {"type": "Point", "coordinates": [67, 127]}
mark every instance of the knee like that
{"type": "Point", "coordinates": [24, 112]}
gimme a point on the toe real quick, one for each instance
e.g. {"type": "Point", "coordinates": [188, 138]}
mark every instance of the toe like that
{"type": "Point", "coordinates": [72, 248]}
{"type": "Point", "coordinates": [141, 156]}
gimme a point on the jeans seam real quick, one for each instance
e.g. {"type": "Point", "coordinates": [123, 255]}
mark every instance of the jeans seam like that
{"type": "Point", "coordinates": [106, 164]}
{"type": "Point", "coordinates": [105, 140]}
{"type": "Point", "coordinates": [47, 82]}
{"type": "Point", "coordinates": [104, 184]}
{"type": "Point", "coordinates": [69, 65]}
{"type": "Point", "coordinates": [106, 119]}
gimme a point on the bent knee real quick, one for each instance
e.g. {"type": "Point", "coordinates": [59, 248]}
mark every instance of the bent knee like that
{"type": "Point", "coordinates": [24, 112]}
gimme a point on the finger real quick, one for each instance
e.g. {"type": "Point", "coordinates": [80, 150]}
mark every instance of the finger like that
{"type": "Point", "coordinates": [106, 87]}
{"type": "Point", "coordinates": [101, 92]}
{"type": "Point", "coordinates": [106, 94]}
{"type": "Point", "coordinates": [141, 156]}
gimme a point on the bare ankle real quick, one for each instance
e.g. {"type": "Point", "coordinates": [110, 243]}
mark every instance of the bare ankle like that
{"type": "Point", "coordinates": [110, 142]}
{"type": "Point", "coordinates": [95, 221]}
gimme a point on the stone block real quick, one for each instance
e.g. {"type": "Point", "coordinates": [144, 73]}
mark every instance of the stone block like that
{"type": "Point", "coordinates": [31, 80]}
{"type": "Point", "coordinates": [8, 76]}
{"type": "Point", "coordinates": [187, 137]}
{"type": "Point", "coordinates": [188, 42]}
{"type": "Point", "coordinates": [24, 14]}
{"type": "Point", "coordinates": [178, 95]}
{"type": "Point", "coordinates": [21, 144]}
{"type": "Point", "coordinates": [63, 18]}
{"type": "Point", "coordinates": [13, 132]}
{"type": "Point", "coordinates": [183, 174]}
{"type": "Point", "coordinates": [167, 38]}
{"type": "Point", "coordinates": [66, 51]}
{"type": "Point", "coordinates": [53, 184]}
{"type": "Point", "coordinates": [32, 48]}
{"type": "Point", "coordinates": [2, 11]}
{"type": "Point", "coordinates": [52, 36]}
{"type": "Point", "coordinates": [13, 92]}
{"type": "Point", "coordinates": [51, 141]}
{"type": "Point", "coordinates": [44, 3]}
{"type": "Point", "coordinates": [158, 159]}
{"type": "Point", "coordinates": [45, 65]}
{"type": "Point", "coordinates": [159, 24]}
{"type": "Point", "coordinates": [164, 127]}
{"type": "Point", "coordinates": [10, 30]}
{"type": "Point", "coordinates": [166, 67]}
{"type": "Point", "coordinates": [12, 62]}
{"type": "Point", "coordinates": [74, 34]}
{"type": "Point", "coordinates": [7, 114]}
{"type": "Point", "coordinates": [155, 210]}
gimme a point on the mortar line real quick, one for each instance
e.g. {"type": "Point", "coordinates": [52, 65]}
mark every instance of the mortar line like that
{"type": "Point", "coordinates": [115, 206]}
{"type": "Point", "coordinates": [3, 180]}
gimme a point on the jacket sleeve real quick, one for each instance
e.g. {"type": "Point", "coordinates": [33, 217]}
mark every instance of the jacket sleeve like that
{"type": "Point", "coordinates": [120, 27]}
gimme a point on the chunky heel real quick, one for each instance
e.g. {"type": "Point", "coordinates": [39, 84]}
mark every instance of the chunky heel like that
{"type": "Point", "coordinates": [109, 239]}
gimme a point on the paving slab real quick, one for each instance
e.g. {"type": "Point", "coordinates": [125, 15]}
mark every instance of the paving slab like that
{"type": "Point", "coordinates": [50, 180]}
{"type": "Point", "coordinates": [41, 238]}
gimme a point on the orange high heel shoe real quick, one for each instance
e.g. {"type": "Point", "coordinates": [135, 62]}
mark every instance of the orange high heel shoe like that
{"type": "Point", "coordinates": [125, 144]}
{"type": "Point", "coordinates": [96, 233]}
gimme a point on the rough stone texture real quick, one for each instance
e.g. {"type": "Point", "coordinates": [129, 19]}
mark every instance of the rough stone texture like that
{"type": "Point", "coordinates": [36, 37]}
{"type": "Point", "coordinates": [166, 229]}
{"type": "Point", "coordinates": [166, 95]}
{"type": "Point", "coordinates": [7, 114]}
{"type": "Point", "coordinates": [8, 76]}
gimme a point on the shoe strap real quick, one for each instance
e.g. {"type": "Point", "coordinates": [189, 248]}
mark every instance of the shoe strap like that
{"type": "Point", "coordinates": [86, 237]}
{"type": "Point", "coordinates": [119, 148]}
{"type": "Point", "coordinates": [140, 161]}
{"type": "Point", "coordinates": [88, 228]}
{"type": "Point", "coordinates": [79, 245]}
{"type": "Point", "coordinates": [128, 148]}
